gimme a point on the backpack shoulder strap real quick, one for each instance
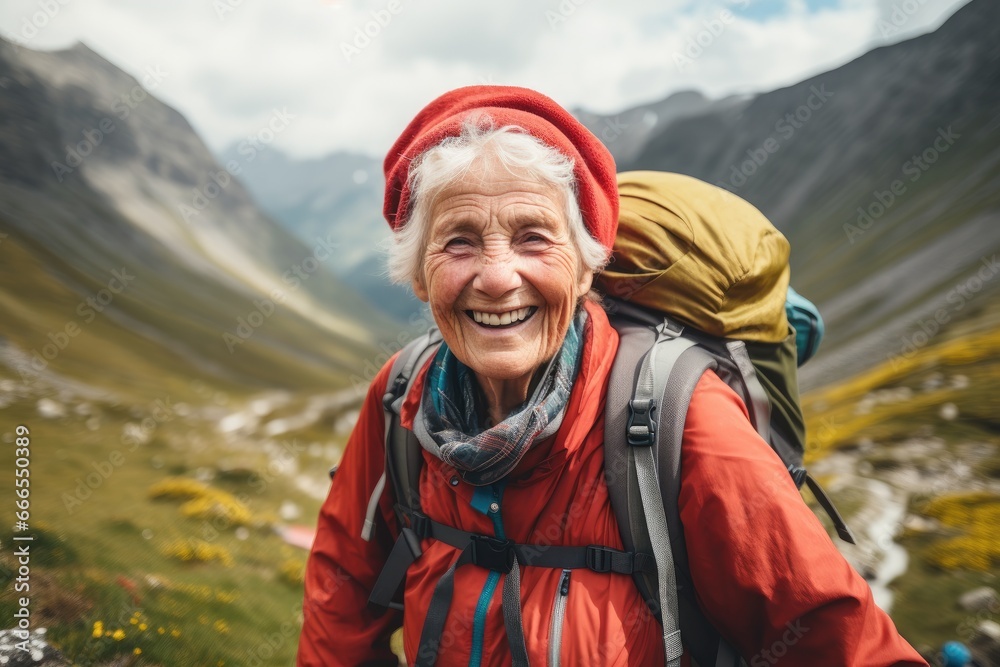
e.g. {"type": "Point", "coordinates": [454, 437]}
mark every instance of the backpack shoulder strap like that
{"type": "Point", "coordinates": [649, 391]}
{"type": "Point", "coordinates": [402, 452]}
{"type": "Point", "coordinates": [680, 371]}
{"type": "Point", "coordinates": [755, 398]}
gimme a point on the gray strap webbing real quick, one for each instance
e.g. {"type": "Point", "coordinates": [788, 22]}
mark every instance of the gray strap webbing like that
{"type": "Point", "coordinates": [691, 364]}
{"type": "Point", "coordinates": [512, 617]}
{"type": "Point", "coordinates": [623, 487]}
{"type": "Point", "coordinates": [684, 376]}
{"type": "Point", "coordinates": [404, 457]}
{"type": "Point", "coordinates": [679, 366]}
{"type": "Point", "coordinates": [410, 357]}
{"type": "Point", "coordinates": [404, 552]}
{"type": "Point", "coordinates": [649, 490]}
{"type": "Point", "coordinates": [407, 550]}
{"type": "Point", "coordinates": [369, 526]}
{"type": "Point", "coordinates": [437, 612]}
{"type": "Point", "coordinates": [686, 373]}
{"type": "Point", "coordinates": [758, 404]}
{"type": "Point", "coordinates": [399, 459]}
{"type": "Point", "coordinates": [657, 523]}
{"type": "Point", "coordinates": [831, 510]}
{"type": "Point", "coordinates": [405, 461]}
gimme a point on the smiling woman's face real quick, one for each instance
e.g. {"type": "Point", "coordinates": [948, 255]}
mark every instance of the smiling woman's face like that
{"type": "Point", "coordinates": [500, 272]}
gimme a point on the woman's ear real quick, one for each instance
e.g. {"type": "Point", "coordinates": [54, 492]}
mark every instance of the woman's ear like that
{"type": "Point", "coordinates": [586, 281]}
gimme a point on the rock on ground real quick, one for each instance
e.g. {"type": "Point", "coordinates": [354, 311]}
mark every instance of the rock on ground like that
{"type": "Point", "coordinates": [38, 653]}
{"type": "Point", "coordinates": [980, 599]}
{"type": "Point", "coordinates": [985, 643]}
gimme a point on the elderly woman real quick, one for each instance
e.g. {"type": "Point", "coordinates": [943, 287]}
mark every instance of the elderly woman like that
{"type": "Point", "coordinates": [504, 207]}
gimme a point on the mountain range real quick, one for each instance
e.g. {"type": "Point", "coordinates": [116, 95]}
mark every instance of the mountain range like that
{"type": "Point", "coordinates": [107, 193]}
{"type": "Point", "coordinates": [883, 174]}
{"type": "Point", "coordinates": [218, 318]}
{"type": "Point", "coordinates": [339, 196]}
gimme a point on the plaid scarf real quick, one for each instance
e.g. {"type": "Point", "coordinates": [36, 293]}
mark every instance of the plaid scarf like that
{"type": "Point", "coordinates": [448, 424]}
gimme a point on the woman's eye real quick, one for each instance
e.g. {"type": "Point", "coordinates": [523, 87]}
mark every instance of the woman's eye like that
{"type": "Point", "coordinates": [534, 238]}
{"type": "Point", "coordinates": [457, 243]}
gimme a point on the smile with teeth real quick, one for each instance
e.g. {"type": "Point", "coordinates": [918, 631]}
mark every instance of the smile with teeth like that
{"type": "Point", "coordinates": [502, 319]}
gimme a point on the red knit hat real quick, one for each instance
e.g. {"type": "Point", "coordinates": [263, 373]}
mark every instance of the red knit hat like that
{"type": "Point", "coordinates": [542, 118]}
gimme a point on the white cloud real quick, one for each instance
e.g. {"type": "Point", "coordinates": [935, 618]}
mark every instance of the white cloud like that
{"type": "Point", "coordinates": [228, 73]}
{"type": "Point", "coordinates": [902, 19]}
{"type": "Point", "coordinates": [500, 35]}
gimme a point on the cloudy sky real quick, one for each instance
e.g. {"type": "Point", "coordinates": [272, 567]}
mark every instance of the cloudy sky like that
{"type": "Point", "coordinates": [352, 72]}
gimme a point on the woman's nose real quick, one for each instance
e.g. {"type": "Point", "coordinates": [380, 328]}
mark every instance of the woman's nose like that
{"type": "Point", "coordinates": [497, 275]}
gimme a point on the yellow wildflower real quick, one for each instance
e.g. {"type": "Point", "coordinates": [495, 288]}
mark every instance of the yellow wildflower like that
{"type": "Point", "coordinates": [98, 629]}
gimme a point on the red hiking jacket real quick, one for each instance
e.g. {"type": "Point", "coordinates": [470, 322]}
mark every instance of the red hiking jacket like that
{"type": "Point", "coordinates": [765, 571]}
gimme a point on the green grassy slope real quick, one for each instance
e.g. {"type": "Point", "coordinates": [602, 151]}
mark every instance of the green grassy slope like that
{"type": "Point", "coordinates": [928, 424]}
{"type": "Point", "coordinates": [102, 543]}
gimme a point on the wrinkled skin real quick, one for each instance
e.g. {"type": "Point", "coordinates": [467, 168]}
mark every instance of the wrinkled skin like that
{"type": "Point", "coordinates": [500, 242]}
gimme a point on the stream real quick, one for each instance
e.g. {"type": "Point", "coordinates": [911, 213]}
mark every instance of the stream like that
{"type": "Point", "coordinates": [885, 512]}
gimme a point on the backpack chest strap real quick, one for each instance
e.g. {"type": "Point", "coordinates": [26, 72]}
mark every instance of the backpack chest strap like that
{"type": "Point", "coordinates": [495, 554]}
{"type": "Point", "coordinates": [485, 549]}
{"type": "Point", "coordinates": [491, 553]}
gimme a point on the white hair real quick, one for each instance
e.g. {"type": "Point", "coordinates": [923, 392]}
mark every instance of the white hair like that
{"type": "Point", "coordinates": [514, 149]}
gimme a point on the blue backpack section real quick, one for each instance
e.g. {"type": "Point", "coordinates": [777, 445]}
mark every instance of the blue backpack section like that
{"type": "Point", "coordinates": [807, 322]}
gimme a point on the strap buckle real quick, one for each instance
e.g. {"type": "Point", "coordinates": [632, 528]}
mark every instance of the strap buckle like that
{"type": "Point", "coordinates": [798, 474]}
{"type": "Point", "coordinates": [669, 329]}
{"type": "Point", "coordinates": [641, 422]}
{"type": "Point", "coordinates": [392, 393]}
{"type": "Point", "coordinates": [599, 559]}
{"type": "Point", "coordinates": [493, 554]}
{"type": "Point", "coordinates": [420, 524]}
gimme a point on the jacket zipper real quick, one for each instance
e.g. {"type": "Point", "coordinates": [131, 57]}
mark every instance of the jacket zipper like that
{"type": "Point", "coordinates": [479, 620]}
{"type": "Point", "coordinates": [483, 605]}
{"type": "Point", "coordinates": [558, 619]}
